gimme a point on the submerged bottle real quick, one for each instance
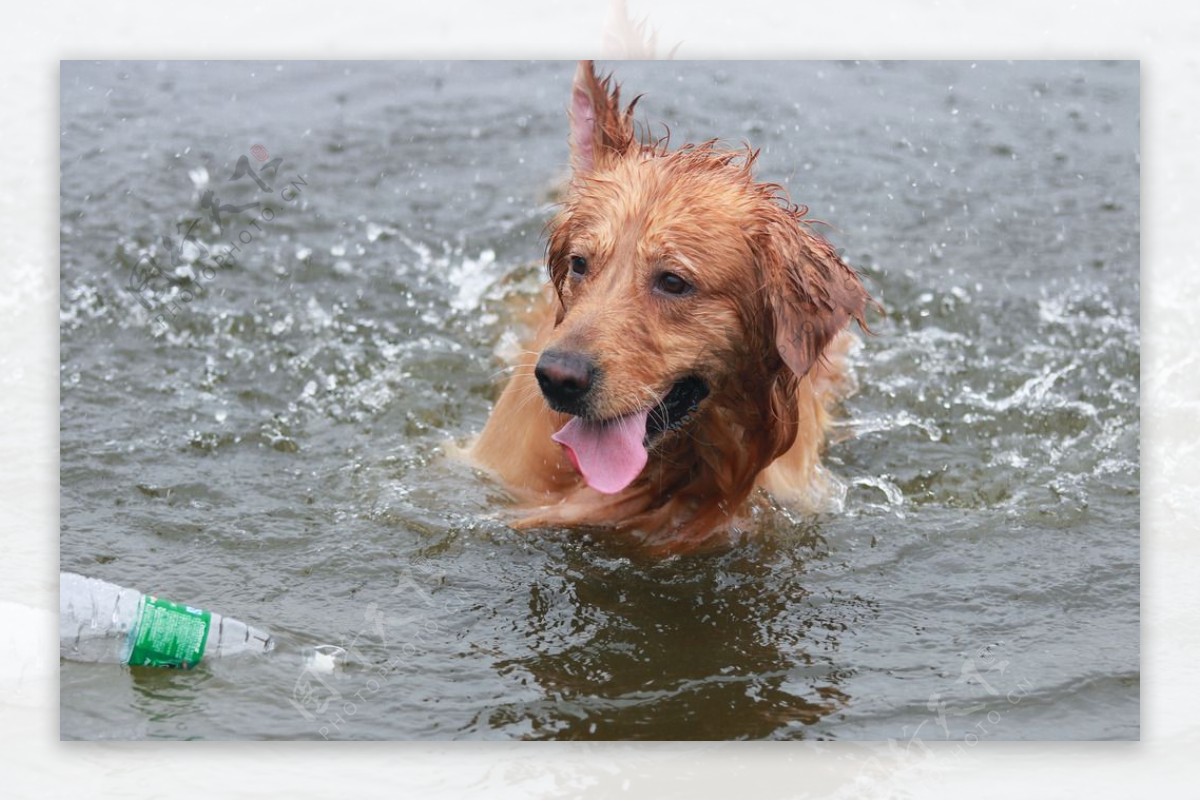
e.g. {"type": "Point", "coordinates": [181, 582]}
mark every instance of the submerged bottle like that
{"type": "Point", "coordinates": [103, 622]}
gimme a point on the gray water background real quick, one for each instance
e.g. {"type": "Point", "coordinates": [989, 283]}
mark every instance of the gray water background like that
{"type": "Point", "coordinates": [273, 449]}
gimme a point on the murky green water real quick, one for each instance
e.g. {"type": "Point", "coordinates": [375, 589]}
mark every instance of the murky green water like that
{"type": "Point", "coordinates": [270, 445]}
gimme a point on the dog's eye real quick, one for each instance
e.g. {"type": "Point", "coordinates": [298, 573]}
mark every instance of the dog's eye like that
{"type": "Point", "coordinates": [579, 265]}
{"type": "Point", "coordinates": [672, 284]}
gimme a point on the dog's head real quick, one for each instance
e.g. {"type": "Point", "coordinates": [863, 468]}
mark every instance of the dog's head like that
{"type": "Point", "coordinates": [683, 286]}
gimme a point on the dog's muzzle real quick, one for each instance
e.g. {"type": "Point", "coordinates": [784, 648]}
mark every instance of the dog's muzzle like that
{"type": "Point", "coordinates": [566, 379]}
{"type": "Point", "coordinates": [674, 411]}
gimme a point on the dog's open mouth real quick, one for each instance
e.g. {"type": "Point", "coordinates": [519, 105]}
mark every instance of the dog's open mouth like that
{"type": "Point", "coordinates": [609, 454]}
{"type": "Point", "coordinates": [676, 408]}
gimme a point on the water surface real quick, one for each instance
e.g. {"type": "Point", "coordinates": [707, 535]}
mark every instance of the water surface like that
{"type": "Point", "coordinates": [265, 437]}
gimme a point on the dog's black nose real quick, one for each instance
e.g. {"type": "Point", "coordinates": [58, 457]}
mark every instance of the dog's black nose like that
{"type": "Point", "coordinates": [565, 379]}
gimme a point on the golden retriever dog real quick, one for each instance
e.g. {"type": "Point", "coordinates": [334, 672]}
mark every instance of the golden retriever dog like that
{"type": "Point", "coordinates": [693, 343]}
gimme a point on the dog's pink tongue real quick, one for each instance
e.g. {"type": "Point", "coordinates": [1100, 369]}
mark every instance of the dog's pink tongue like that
{"type": "Point", "coordinates": [608, 455]}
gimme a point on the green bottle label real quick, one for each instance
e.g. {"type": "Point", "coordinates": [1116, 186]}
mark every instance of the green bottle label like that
{"type": "Point", "coordinates": [169, 634]}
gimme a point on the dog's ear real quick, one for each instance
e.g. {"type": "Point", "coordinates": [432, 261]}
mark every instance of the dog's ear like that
{"type": "Point", "coordinates": [600, 129]}
{"type": "Point", "coordinates": [811, 293]}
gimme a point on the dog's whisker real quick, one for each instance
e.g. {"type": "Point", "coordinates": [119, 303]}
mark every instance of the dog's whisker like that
{"type": "Point", "coordinates": [528, 394]}
{"type": "Point", "coordinates": [658, 414]}
{"type": "Point", "coordinates": [511, 370]}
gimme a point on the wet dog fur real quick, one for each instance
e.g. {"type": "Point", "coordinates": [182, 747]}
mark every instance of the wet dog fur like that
{"type": "Point", "coordinates": [680, 285]}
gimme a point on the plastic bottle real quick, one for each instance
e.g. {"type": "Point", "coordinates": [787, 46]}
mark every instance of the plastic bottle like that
{"type": "Point", "coordinates": [103, 622]}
